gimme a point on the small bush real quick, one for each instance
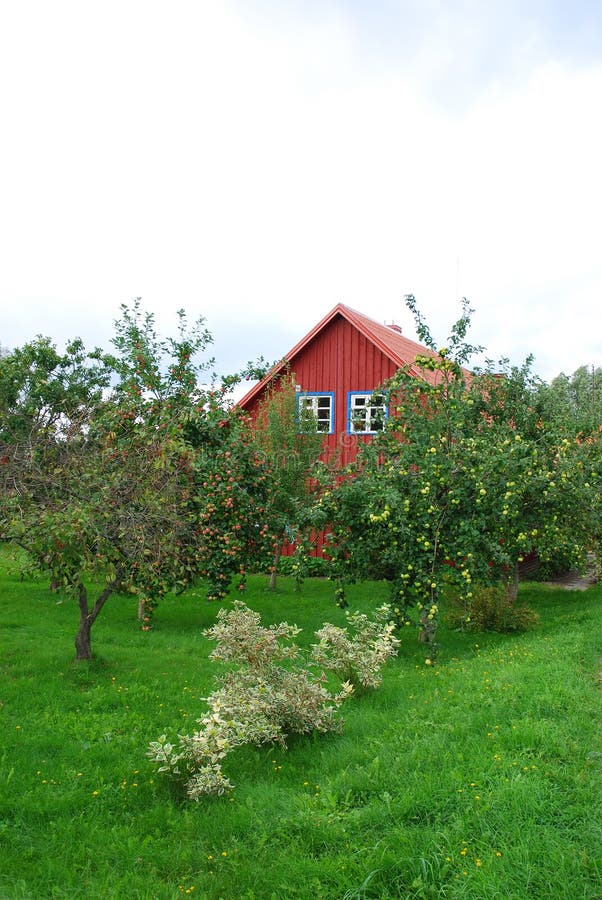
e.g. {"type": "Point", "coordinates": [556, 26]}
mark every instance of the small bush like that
{"type": "Point", "coordinates": [360, 657]}
{"type": "Point", "coordinates": [302, 565]}
{"type": "Point", "coordinates": [491, 610]}
{"type": "Point", "coordinates": [260, 701]}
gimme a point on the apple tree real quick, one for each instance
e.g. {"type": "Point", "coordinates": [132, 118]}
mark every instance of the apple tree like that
{"type": "Point", "coordinates": [463, 481]}
{"type": "Point", "coordinates": [146, 483]}
{"type": "Point", "coordinates": [291, 448]}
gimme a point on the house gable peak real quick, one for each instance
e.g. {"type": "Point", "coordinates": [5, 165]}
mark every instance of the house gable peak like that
{"type": "Point", "coordinates": [389, 339]}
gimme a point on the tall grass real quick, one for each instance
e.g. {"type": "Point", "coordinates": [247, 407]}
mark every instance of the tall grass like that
{"type": "Point", "coordinates": [479, 778]}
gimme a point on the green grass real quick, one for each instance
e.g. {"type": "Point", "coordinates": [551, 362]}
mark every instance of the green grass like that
{"type": "Point", "coordinates": [478, 778]}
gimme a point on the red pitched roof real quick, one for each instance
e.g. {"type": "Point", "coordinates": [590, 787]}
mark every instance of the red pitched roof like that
{"type": "Point", "coordinates": [401, 350]}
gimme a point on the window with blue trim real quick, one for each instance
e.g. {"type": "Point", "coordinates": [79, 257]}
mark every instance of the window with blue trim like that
{"type": "Point", "coordinates": [366, 412]}
{"type": "Point", "coordinates": [320, 406]}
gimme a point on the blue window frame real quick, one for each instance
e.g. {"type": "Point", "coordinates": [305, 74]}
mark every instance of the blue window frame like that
{"type": "Point", "coordinates": [319, 404]}
{"type": "Point", "coordinates": [363, 415]}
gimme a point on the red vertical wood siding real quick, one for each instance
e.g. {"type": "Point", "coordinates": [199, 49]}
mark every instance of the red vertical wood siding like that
{"type": "Point", "coordinates": [339, 359]}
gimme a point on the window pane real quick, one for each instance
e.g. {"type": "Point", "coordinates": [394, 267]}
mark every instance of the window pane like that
{"type": "Point", "coordinates": [320, 407]}
{"type": "Point", "coordinates": [365, 417]}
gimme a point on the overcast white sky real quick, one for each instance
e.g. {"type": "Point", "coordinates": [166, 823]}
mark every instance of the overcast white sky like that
{"type": "Point", "coordinates": [258, 162]}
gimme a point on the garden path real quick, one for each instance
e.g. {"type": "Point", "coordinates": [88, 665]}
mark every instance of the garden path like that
{"type": "Point", "coordinates": [576, 581]}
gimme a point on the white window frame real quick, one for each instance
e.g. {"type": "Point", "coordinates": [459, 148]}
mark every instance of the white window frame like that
{"type": "Point", "coordinates": [361, 412]}
{"type": "Point", "coordinates": [314, 401]}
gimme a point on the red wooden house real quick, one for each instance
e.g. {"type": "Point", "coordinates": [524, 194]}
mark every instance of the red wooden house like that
{"type": "Point", "coordinates": [337, 366]}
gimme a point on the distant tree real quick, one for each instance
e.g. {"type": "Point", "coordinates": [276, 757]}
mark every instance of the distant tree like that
{"type": "Point", "coordinates": [575, 400]}
{"type": "Point", "coordinates": [44, 391]}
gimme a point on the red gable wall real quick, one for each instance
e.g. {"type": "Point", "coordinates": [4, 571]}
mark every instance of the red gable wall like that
{"type": "Point", "coordinates": [343, 353]}
{"type": "Point", "coordinates": [339, 359]}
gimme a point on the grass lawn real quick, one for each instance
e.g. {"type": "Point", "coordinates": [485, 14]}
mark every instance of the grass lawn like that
{"type": "Point", "coordinates": [478, 778]}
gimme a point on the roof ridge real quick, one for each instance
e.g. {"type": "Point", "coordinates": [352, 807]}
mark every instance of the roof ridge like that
{"type": "Point", "coordinates": [382, 336]}
{"type": "Point", "coordinates": [386, 338]}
